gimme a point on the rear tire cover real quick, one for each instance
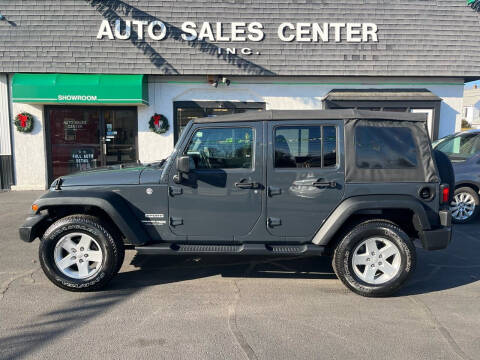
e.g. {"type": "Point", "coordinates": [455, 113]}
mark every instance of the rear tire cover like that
{"type": "Point", "coordinates": [445, 170]}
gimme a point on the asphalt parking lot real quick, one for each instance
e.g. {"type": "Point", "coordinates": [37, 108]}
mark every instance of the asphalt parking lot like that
{"type": "Point", "coordinates": [236, 308]}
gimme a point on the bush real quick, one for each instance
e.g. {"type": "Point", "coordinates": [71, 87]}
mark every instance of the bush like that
{"type": "Point", "coordinates": [465, 124]}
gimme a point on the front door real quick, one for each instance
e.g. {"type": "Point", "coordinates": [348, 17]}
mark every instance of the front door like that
{"type": "Point", "coordinates": [222, 197]}
{"type": "Point", "coordinates": [429, 113]}
{"type": "Point", "coordinates": [305, 175]}
{"type": "Point", "coordinates": [84, 138]}
{"type": "Point", "coordinates": [119, 136]}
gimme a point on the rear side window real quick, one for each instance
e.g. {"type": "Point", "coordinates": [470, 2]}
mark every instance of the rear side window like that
{"type": "Point", "coordinates": [305, 146]}
{"type": "Point", "coordinates": [385, 148]}
{"type": "Point", "coordinates": [222, 148]}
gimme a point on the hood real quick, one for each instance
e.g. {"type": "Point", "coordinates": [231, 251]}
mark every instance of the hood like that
{"type": "Point", "coordinates": [124, 174]}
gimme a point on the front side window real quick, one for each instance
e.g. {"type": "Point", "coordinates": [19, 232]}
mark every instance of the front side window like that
{"type": "Point", "coordinates": [305, 146]}
{"type": "Point", "coordinates": [222, 148]}
{"type": "Point", "coordinates": [385, 148]}
{"type": "Point", "coordinates": [461, 147]}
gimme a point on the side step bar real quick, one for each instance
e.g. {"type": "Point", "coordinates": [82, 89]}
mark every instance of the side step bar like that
{"type": "Point", "coordinates": [243, 249]}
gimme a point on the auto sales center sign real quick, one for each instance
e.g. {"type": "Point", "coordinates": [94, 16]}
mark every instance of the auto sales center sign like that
{"type": "Point", "coordinates": [241, 32]}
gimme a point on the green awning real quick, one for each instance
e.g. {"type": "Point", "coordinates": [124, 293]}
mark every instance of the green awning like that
{"type": "Point", "coordinates": [80, 89]}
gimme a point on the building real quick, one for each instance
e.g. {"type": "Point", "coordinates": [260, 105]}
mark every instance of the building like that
{"type": "Point", "coordinates": [471, 107]}
{"type": "Point", "coordinates": [94, 73]}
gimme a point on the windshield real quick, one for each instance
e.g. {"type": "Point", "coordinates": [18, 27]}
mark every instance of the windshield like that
{"type": "Point", "coordinates": [460, 147]}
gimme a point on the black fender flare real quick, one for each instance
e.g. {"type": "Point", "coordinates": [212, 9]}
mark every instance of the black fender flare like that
{"type": "Point", "coordinates": [112, 203]}
{"type": "Point", "coordinates": [351, 205]}
{"type": "Point", "coordinates": [469, 183]}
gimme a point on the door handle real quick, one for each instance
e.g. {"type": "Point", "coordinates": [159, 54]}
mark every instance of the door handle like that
{"type": "Point", "coordinates": [273, 190]}
{"type": "Point", "coordinates": [103, 142]}
{"type": "Point", "coordinates": [252, 185]}
{"type": "Point", "coordinates": [272, 222]}
{"type": "Point", "coordinates": [328, 184]}
{"type": "Point", "coordinates": [247, 185]}
{"type": "Point", "coordinates": [174, 190]}
{"type": "Point", "coordinates": [176, 221]}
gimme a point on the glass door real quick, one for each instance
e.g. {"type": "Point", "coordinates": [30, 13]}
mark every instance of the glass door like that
{"type": "Point", "coordinates": [120, 129]}
{"type": "Point", "coordinates": [84, 138]}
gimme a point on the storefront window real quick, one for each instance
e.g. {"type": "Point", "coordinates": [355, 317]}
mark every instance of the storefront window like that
{"type": "Point", "coordinates": [86, 138]}
{"type": "Point", "coordinates": [189, 110]}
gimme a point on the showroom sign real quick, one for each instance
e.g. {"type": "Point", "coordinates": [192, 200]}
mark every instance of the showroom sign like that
{"type": "Point", "coordinates": [79, 89]}
{"type": "Point", "coordinates": [242, 31]}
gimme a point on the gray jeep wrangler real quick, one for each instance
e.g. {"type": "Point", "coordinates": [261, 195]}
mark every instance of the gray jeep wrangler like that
{"type": "Point", "coordinates": [359, 186]}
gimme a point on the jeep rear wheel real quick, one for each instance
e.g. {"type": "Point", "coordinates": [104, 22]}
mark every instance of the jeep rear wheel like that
{"type": "Point", "coordinates": [77, 253]}
{"type": "Point", "coordinates": [375, 258]}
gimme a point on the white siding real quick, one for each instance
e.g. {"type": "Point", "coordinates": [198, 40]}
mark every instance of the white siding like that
{"type": "Point", "coordinates": [5, 148]}
{"type": "Point", "coordinates": [284, 94]}
{"type": "Point", "coordinates": [30, 160]}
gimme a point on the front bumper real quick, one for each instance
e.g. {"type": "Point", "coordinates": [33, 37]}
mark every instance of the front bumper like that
{"type": "Point", "coordinates": [33, 227]}
{"type": "Point", "coordinates": [441, 237]}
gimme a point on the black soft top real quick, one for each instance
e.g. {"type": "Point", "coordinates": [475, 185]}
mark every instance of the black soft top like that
{"type": "Point", "coordinates": [425, 171]}
{"type": "Point", "coordinates": [344, 114]}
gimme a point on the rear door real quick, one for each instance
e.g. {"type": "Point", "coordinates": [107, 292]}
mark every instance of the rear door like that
{"type": "Point", "coordinates": [222, 197]}
{"type": "Point", "coordinates": [305, 175]}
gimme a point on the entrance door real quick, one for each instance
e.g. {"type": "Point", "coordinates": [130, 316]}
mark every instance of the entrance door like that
{"type": "Point", "coordinates": [120, 136]}
{"type": "Point", "coordinates": [429, 113]}
{"type": "Point", "coordinates": [84, 138]}
{"type": "Point", "coordinates": [222, 197]}
{"type": "Point", "coordinates": [305, 175]}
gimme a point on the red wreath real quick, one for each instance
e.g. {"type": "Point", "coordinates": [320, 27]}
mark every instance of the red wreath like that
{"type": "Point", "coordinates": [159, 124]}
{"type": "Point", "coordinates": [24, 122]}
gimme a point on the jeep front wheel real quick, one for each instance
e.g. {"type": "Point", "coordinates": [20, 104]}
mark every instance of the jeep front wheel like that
{"type": "Point", "coordinates": [375, 258]}
{"type": "Point", "coordinates": [77, 253]}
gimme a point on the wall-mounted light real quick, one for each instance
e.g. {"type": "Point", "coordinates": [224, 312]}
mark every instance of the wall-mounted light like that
{"type": "Point", "coordinates": [2, 17]}
{"type": "Point", "coordinates": [219, 80]}
{"type": "Point", "coordinates": [226, 81]}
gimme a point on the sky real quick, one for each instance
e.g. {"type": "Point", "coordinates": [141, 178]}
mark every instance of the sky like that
{"type": "Point", "coordinates": [470, 84]}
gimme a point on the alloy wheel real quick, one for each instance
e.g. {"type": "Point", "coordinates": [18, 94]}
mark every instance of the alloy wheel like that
{"type": "Point", "coordinates": [376, 260]}
{"type": "Point", "coordinates": [78, 255]}
{"type": "Point", "coordinates": [462, 206]}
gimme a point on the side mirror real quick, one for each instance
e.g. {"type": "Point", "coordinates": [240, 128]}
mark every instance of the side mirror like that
{"type": "Point", "coordinates": [184, 165]}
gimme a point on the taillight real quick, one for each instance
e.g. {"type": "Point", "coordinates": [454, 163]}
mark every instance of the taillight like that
{"type": "Point", "coordinates": [445, 193]}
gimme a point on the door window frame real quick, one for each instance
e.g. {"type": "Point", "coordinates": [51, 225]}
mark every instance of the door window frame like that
{"type": "Point", "coordinates": [48, 142]}
{"type": "Point", "coordinates": [324, 122]}
{"type": "Point", "coordinates": [247, 105]}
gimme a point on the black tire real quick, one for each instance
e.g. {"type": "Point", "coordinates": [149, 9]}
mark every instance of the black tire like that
{"type": "Point", "coordinates": [474, 195]}
{"type": "Point", "coordinates": [112, 249]}
{"type": "Point", "coordinates": [343, 264]}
